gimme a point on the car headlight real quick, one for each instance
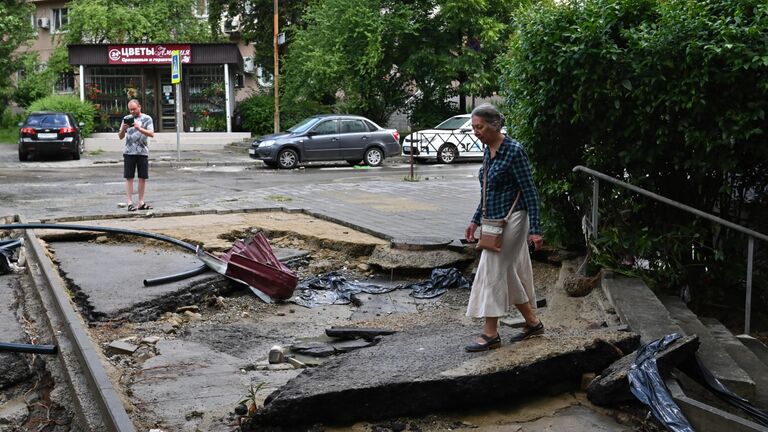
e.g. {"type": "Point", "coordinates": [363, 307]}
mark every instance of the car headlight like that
{"type": "Point", "coordinates": [267, 143]}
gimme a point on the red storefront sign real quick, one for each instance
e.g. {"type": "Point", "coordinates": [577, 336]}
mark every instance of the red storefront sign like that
{"type": "Point", "coordinates": [147, 54]}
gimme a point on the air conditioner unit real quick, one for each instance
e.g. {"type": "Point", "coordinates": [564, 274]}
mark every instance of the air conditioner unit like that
{"type": "Point", "coordinates": [248, 66]}
{"type": "Point", "coordinates": [44, 23]}
{"type": "Point", "coordinates": [231, 25]}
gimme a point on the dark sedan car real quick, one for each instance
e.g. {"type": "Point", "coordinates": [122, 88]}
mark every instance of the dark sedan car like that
{"type": "Point", "coordinates": [50, 133]}
{"type": "Point", "coordinates": [328, 137]}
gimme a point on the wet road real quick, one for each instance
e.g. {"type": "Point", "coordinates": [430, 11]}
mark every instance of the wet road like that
{"type": "Point", "coordinates": [379, 199]}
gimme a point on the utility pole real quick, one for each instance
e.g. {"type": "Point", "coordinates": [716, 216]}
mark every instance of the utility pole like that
{"type": "Point", "coordinates": [277, 74]}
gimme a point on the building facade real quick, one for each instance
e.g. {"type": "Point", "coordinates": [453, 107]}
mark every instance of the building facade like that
{"type": "Point", "coordinates": [214, 76]}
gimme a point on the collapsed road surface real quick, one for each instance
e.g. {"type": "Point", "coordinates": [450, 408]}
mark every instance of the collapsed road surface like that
{"type": "Point", "coordinates": [185, 358]}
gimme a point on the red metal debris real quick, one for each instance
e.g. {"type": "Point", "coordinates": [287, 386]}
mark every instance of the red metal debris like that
{"type": "Point", "coordinates": [253, 263]}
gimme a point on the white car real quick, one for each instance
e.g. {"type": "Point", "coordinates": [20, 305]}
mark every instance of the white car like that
{"type": "Point", "coordinates": [448, 141]}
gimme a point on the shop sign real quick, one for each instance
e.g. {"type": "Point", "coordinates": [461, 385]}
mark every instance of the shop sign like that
{"type": "Point", "coordinates": [147, 54]}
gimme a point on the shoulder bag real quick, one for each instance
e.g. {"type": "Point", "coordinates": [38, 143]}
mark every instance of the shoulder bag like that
{"type": "Point", "coordinates": [492, 230]}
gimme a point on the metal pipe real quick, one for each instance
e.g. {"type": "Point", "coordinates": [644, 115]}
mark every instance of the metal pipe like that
{"type": "Point", "coordinates": [12, 244]}
{"type": "Point", "coordinates": [27, 348]}
{"type": "Point", "coordinates": [595, 196]}
{"type": "Point", "coordinates": [672, 203]}
{"type": "Point", "coordinates": [160, 237]}
{"type": "Point", "coordinates": [176, 277]}
{"type": "Point", "coordinates": [748, 306]}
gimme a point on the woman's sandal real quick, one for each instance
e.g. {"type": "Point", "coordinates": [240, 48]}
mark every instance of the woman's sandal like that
{"type": "Point", "coordinates": [489, 344]}
{"type": "Point", "coordinates": [131, 207]}
{"type": "Point", "coordinates": [145, 206]}
{"type": "Point", "coordinates": [527, 332]}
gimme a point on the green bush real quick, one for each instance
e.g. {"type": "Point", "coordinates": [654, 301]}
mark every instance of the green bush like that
{"type": "Point", "coordinates": [670, 96]}
{"type": "Point", "coordinates": [258, 113]}
{"type": "Point", "coordinates": [82, 111]}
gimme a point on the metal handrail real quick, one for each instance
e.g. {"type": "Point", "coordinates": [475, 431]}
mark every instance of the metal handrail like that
{"type": "Point", "coordinates": [752, 235]}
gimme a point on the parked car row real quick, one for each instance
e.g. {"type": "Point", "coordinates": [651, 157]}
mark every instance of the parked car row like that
{"type": "Point", "coordinates": [50, 133]}
{"type": "Point", "coordinates": [328, 137]}
{"type": "Point", "coordinates": [325, 137]}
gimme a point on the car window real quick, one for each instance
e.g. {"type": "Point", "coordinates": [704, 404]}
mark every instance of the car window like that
{"type": "Point", "coordinates": [452, 123]}
{"type": "Point", "coordinates": [47, 120]}
{"type": "Point", "coordinates": [371, 127]}
{"type": "Point", "coordinates": [353, 126]}
{"type": "Point", "coordinates": [303, 125]}
{"type": "Point", "coordinates": [325, 128]}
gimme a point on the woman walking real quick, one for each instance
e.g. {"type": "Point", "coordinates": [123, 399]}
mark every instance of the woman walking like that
{"type": "Point", "coordinates": [504, 278]}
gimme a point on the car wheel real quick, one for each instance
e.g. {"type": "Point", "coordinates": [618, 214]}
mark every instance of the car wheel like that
{"type": "Point", "coordinates": [447, 153]}
{"type": "Point", "coordinates": [374, 156]}
{"type": "Point", "coordinates": [354, 162]}
{"type": "Point", "coordinates": [82, 145]}
{"type": "Point", "coordinates": [76, 155]}
{"type": "Point", "coordinates": [23, 156]}
{"type": "Point", "coordinates": [270, 164]}
{"type": "Point", "coordinates": [287, 159]}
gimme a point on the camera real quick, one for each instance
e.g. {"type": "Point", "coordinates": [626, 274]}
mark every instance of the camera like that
{"type": "Point", "coordinates": [128, 120]}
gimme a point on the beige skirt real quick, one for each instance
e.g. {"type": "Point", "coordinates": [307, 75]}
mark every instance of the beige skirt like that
{"type": "Point", "coordinates": [504, 279]}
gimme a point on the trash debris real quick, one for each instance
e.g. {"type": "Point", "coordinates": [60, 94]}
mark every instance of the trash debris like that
{"type": "Point", "coordinates": [276, 354]}
{"type": "Point", "coordinates": [334, 289]}
{"type": "Point", "coordinates": [354, 333]}
{"type": "Point", "coordinates": [648, 386]}
{"type": "Point", "coordinates": [440, 280]}
{"type": "Point", "coordinates": [8, 263]}
{"type": "Point", "coordinates": [253, 263]}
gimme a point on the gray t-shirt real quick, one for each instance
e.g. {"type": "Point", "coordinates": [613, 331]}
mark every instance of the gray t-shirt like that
{"type": "Point", "coordinates": [135, 141]}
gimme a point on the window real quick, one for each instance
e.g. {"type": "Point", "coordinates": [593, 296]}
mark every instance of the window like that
{"type": "Point", "coordinates": [60, 19]}
{"type": "Point", "coordinates": [353, 126]}
{"type": "Point", "coordinates": [326, 128]}
{"type": "Point", "coordinates": [200, 8]}
{"type": "Point", "coordinates": [65, 83]}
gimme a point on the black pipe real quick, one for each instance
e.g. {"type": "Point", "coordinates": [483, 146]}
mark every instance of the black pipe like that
{"type": "Point", "coordinates": [160, 237]}
{"type": "Point", "coordinates": [10, 244]}
{"type": "Point", "coordinates": [27, 348]}
{"type": "Point", "coordinates": [176, 277]}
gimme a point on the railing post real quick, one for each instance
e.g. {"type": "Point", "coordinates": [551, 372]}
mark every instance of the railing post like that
{"type": "Point", "coordinates": [748, 306]}
{"type": "Point", "coordinates": [595, 193]}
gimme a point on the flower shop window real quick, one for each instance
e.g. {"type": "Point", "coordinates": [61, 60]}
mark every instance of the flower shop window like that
{"type": "Point", "coordinates": [205, 99]}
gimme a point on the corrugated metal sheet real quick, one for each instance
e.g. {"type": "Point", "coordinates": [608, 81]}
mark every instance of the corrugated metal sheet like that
{"type": "Point", "coordinates": [93, 55]}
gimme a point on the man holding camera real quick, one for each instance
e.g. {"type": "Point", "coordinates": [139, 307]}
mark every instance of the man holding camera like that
{"type": "Point", "coordinates": [135, 128]}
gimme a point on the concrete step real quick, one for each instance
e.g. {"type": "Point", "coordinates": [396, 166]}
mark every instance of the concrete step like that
{"type": "Point", "coordinates": [712, 354]}
{"type": "Point", "coordinates": [758, 348]}
{"type": "Point", "coordinates": [744, 357]}
{"type": "Point", "coordinates": [638, 307]}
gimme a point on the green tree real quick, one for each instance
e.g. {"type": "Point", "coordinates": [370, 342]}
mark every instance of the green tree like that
{"type": "Point", "coordinates": [668, 95]}
{"type": "Point", "coordinates": [35, 81]}
{"type": "Point", "coordinates": [16, 29]}
{"type": "Point", "coordinates": [256, 18]}
{"type": "Point", "coordinates": [140, 21]}
{"type": "Point", "coordinates": [349, 53]}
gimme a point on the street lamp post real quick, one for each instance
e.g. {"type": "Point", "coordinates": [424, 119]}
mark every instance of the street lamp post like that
{"type": "Point", "coordinates": [277, 73]}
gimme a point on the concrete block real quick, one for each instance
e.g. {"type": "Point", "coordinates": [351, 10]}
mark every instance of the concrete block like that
{"type": "Point", "coordinates": [712, 354]}
{"type": "Point", "coordinates": [706, 418]}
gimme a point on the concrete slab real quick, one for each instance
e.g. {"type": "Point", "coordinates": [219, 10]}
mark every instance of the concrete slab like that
{"type": "Point", "coordinates": [427, 370]}
{"type": "Point", "coordinates": [711, 353]}
{"type": "Point", "coordinates": [15, 366]}
{"type": "Point", "coordinates": [638, 307]}
{"type": "Point", "coordinates": [193, 387]}
{"type": "Point", "coordinates": [110, 275]}
{"type": "Point", "coordinates": [744, 357]}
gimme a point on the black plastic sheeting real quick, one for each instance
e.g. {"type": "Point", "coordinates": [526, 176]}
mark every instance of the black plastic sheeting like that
{"type": "Point", "coordinates": [438, 283]}
{"type": "Point", "coordinates": [648, 386]}
{"type": "Point", "coordinates": [696, 370]}
{"type": "Point", "coordinates": [334, 289]}
{"type": "Point", "coordinates": [6, 254]}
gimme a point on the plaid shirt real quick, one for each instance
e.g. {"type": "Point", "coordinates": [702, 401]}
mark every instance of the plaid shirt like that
{"type": "Point", "coordinates": [509, 172]}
